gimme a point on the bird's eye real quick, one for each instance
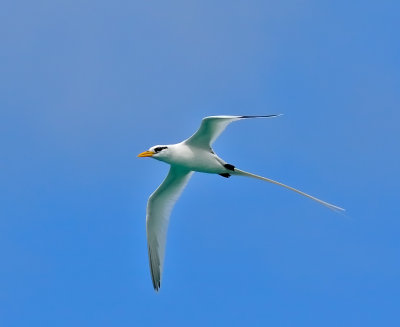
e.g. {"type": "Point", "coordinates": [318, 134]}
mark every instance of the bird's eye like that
{"type": "Point", "coordinates": [160, 148]}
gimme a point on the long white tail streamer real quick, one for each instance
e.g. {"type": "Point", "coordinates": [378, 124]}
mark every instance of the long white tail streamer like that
{"type": "Point", "coordinates": [326, 204]}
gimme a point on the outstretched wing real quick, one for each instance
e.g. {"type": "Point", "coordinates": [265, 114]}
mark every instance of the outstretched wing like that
{"type": "Point", "coordinates": [159, 209]}
{"type": "Point", "coordinates": [211, 127]}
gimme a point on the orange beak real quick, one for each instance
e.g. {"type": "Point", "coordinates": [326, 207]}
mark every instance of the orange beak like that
{"type": "Point", "coordinates": [146, 154]}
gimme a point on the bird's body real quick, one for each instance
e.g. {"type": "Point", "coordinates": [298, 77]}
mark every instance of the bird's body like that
{"type": "Point", "coordinates": [195, 159]}
{"type": "Point", "coordinates": [192, 155]}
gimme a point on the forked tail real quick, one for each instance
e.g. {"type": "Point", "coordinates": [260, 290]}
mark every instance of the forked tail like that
{"type": "Point", "coordinates": [326, 204]}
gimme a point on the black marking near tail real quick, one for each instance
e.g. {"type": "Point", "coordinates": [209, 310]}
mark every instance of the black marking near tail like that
{"type": "Point", "coordinates": [229, 167]}
{"type": "Point", "coordinates": [226, 175]}
{"type": "Point", "coordinates": [267, 116]}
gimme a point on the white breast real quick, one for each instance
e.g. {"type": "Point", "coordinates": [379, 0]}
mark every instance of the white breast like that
{"type": "Point", "coordinates": [195, 159]}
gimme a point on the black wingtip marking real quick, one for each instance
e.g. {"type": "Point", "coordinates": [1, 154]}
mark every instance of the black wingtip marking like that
{"type": "Point", "coordinates": [155, 279]}
{"type": "Point", "coordinates": [229, 167]}
{"type": "Point", "coordinates": [157, 287]}
{"type": "Point", "coordinates": [226, 175]}
{"type": "Point", "coordinates": [266, 116]}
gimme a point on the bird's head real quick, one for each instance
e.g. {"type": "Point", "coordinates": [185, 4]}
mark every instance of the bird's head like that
{"type": "Point", "coordinates": [159, 152]}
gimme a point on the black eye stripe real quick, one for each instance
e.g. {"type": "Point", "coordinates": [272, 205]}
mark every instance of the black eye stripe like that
{"type": "Point", "coordinates": [160, 148]}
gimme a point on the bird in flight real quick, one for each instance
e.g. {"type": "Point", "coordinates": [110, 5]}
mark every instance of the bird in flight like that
{"type": "Point", "coordinates": [193, 154]}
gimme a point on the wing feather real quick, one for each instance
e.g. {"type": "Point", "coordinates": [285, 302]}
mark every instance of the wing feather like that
{"type": "Point", "coordinates": [211, 127]}
{"type": "Point", "coordinates": [159, 209]}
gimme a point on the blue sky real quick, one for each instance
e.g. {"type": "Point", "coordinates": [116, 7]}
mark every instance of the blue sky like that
{"type": "Point", "coordinates": [87, 85]}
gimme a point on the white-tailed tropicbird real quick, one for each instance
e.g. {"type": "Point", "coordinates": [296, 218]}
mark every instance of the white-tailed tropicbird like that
{"type": "Point", "coordinates": [193, 154]}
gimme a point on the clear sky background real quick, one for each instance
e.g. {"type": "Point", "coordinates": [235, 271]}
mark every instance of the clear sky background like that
{"type": "Point", "coordinates": [87, 85]}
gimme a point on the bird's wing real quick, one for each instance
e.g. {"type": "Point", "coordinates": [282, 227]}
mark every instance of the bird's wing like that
{"type": "Point", "coordinates": [159, 208]}
{"type": "Point", "coordinates": [211, 127]}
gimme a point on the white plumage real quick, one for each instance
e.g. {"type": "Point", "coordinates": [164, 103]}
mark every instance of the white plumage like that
{"type": "Point", "coordinates": [193, 154]}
